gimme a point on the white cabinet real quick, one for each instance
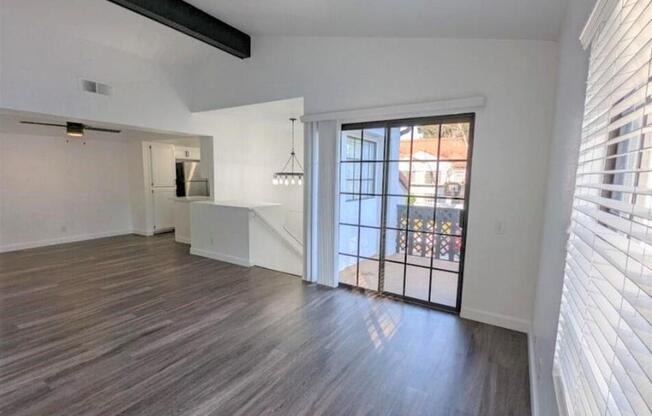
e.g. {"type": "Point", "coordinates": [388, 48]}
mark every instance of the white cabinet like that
{"type": "Point", "coordinates": [186, 153]}
{"type": "Point", "coordinates": [163, 205]}
{"type": "Point", "coordinates": [162, 165]}
{"type": "Point", "coordinates": [163, 185]}
{"type": "Point", "coordinates": [181, 153]}
{"type": "Point", "coordinates": [194, 153]}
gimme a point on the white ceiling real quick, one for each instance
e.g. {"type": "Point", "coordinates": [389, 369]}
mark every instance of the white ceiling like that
{"type": "Point", "coordinates": [496, 19]}
{"type": "Point", "coordinates": [104, 23]}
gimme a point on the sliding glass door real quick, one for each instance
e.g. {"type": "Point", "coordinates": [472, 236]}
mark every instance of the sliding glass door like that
{"type": "Point", "coordinates": [403, 195]}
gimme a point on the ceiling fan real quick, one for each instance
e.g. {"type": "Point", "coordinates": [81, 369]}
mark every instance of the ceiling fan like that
{"type": "Point", "coordinates": [73, 129]}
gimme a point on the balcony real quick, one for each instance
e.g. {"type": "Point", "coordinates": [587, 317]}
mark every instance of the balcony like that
{"type": "Point", "coordinates": [423, 243]}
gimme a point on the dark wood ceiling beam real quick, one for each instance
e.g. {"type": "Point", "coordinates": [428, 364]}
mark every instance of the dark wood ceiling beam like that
{"type": "Point", "coordinates": [194, 22]}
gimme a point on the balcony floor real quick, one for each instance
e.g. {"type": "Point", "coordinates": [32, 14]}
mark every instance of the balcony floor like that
{"type": "Point", "coordinates": [444, 286]}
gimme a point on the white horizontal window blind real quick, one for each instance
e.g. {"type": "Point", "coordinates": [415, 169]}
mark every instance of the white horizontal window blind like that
{"type": "Point", "coordinates": [604, 343]}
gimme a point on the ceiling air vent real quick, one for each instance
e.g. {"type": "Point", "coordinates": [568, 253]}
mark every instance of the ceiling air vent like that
{"type": "Point", "coordinates": [95, 87]}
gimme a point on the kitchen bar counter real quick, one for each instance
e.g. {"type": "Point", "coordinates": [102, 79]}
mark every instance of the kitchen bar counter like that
{"type": "Point", "coordinates": [191, 198]}
{"type": "Point", "coordinates": [240, 204]}
{"type": "Point", "coordinates": [182, 217]}
{"type": "Point", "coordinates": [221, 229]}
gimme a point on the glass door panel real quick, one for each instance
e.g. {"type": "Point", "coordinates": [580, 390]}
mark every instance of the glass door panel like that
{"type": "Point", "coordinates": [403, 190]}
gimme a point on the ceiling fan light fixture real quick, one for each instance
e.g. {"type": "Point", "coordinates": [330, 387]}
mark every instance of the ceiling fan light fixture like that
{"type": "Point", "coordinates": [74, 129]}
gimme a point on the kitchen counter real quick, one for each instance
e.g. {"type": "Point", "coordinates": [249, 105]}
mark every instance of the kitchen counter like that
{"type": "Point", "coordinates": [191, 198]}
{"type": "Point", "coordinates": [240, 204]}
{"type": "Point", "coordinates": [182, 216]}
{"type": "Point", "coordinates": [221, 229]}
{"type": "Point", "coordinates": [182, 212]}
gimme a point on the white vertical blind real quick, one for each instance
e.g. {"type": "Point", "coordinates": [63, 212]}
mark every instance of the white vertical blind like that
{"type": "Point", "coordinates": [604, 340]}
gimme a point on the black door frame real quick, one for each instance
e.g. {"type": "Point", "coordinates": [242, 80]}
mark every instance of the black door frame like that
{"type": "Point", "coordinates": [387, 125]}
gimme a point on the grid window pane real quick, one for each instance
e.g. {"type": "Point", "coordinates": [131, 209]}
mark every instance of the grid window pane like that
{"type": "Point", "coordinates": [394, 277]}
{"type": "Point", "coordinates": [417, 280]}
{"type": "Point", "coordinates": [400, 143]}
{"type": "Point", "coordinates": [373, 146]}
{"type": "Point", "coordinates": [447, 249]}
{"type": "Point", "coordinates": [371, 210]}
{"type": "Point", "coordinates": [398, 177]}
{"type": "Point", "coordinates": [419, 247]}
{"type": "Point", "coordinates": [369, 242]}
{"type": "Point", "coordinates": [421, 216]}
{"type": "Point", "coordinates": [449, 217]}
{"type": "Point", "coordinates": [347, 269]}
{"type": "Point", "coordinates": [444, 288]}
{"type": "Point", "coordinates": [350, 179]}
{"type": "Point", "coordinates": [423, 178]}
{"type": "Point", "coordinates": [351, 145]}
{"type": "Point", "coordinates": [396, 213]}
{"type": "Point", "coordinates": [368, 275]}
{"type": "Point", "coordinates": [349, 210]}
{"type": "Point", "coordinates": [452, 179]}
{"type": "Point", "coordinates": [395, 243]}
{"type": "Point", "coordinates": [371, 178]}
{"type": "Point", "coordinates": [454, 141]}
{"type": "Point", "coordinates": [348, 240]}
{"type": "Point", "coordinates": [425, 145]}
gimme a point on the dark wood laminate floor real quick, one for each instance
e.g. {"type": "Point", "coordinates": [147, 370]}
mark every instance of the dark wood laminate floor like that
{"type": "Point", "coordinates": [136, 326]}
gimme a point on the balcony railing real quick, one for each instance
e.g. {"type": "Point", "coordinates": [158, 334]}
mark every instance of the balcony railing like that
{"type": "Point", "coordinates": [427, 235]}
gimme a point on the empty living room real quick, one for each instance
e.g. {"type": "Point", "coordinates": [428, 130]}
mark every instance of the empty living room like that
{"type": "Point", "coordinates": [343, 207]}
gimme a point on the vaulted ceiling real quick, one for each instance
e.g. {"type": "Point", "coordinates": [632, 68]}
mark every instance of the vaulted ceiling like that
{"type": "Point", "coordinates": [496, 19]}
{"type": "Point", "coordinates": [105, 23]}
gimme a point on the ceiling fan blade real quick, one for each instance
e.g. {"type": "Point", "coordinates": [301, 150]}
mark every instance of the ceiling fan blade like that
{"type": "Point", "coordinates": [101, 129]}
{"type": "Point", "coordinates": [42, 124]}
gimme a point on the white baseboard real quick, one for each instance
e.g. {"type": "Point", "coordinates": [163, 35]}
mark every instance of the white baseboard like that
{"type": "Point", "coordinates": [143, 232]}
{"type": "Point", "coordinates": [61, 240]}
{"type": "Point", "coordinates": [534, 398]}
{"type": "Point", "coordinates": [504, 321]}
{"type": "Point", "coordinates": [181, 239]}
{"type": "Point", "coordinates": [221, 257]}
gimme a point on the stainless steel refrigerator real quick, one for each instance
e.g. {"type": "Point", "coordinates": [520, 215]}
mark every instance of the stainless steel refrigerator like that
{"type": "Point", "coordinates": [189, 180]}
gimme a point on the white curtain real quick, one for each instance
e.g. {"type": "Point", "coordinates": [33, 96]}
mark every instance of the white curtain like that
{"type": "Point", "coordinates": [320, 201]}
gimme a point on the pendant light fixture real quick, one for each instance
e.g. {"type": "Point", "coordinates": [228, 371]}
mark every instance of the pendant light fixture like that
{"type": "Point", "coordinates": [290, 177]}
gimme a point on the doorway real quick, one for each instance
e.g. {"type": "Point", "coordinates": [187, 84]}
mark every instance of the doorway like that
{"type": "Point", "coordinates": [404, 191]}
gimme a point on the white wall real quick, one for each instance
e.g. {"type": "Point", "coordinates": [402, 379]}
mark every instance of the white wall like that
{"type": "Point", "coordinates": [44, 57]}
{"type": "Point", "coordinates": [270, 246]}
{"type": "Point", "coordinates": [511, 138]}
{"type": "Point", "coordinates": [571, 85]}
{"type": "Point", "coordinates": [54, 191]}
{"type": "Point", "coordinates": [250, 144]}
